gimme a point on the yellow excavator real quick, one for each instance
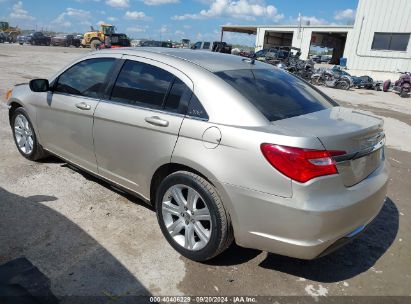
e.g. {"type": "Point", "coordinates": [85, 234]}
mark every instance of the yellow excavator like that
{"type": "Point", "coordinates": [105, 37]}
{"type": "Point", "coordinates": [11, 32]}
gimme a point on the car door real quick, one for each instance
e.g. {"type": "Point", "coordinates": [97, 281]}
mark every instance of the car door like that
{"type": "Point", "coordinates": [136, 128]}
{"type": "Point", "coordinates": [65, 119]}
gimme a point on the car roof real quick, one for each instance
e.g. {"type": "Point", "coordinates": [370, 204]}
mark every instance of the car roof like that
{"type": "Point", "coordinates": [210, 61]}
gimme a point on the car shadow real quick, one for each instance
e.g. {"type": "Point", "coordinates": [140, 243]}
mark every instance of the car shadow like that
{"type": "Point", "coordinates": [349, 261]}
{"type": "Point", "coordinates": [75, 262]}
{"type": "Point", "coordinates": [51, 159]}
{"type": "Point", "coordinates": [234, 255]}
{"type": "Point", "coordinates": [132, 198]}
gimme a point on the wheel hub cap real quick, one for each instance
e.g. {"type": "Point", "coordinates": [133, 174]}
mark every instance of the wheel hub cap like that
{"type": "Point", "coordinates": [186, 217]}
{"type": "Point", "coordinates": [23, 134]}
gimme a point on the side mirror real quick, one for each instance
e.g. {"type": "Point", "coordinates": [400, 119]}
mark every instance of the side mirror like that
{"type": "Point", "coordinates": [39, 85]}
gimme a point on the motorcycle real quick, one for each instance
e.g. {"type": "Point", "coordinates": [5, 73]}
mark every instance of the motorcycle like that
{"type": "Point", "coordinates": [301, 68]}
{"type": "Point", "coordinates": [304, 69]}
{"type": "Point", "coordinates": [328, 78]}
{"type": "Point", "coordinates": [360, 82]}
{"type": "Point", "coordinates": [402, 86]}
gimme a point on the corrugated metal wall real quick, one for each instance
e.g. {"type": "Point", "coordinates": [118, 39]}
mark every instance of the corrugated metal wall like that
{"type": "Point", "coordinates": [379, 16]}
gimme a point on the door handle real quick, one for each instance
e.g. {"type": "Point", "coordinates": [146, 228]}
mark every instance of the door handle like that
{"type": "Point", "coordinates": [83, 106]}
{"type": "Point", "coordinates": [157, 121]}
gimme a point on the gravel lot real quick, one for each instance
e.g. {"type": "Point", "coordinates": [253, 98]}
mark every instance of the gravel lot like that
{"type": "Point", "coordinates": [90, 239]}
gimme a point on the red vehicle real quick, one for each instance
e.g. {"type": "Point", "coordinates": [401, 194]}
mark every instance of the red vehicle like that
{"type": "Point", "coordinates": [402, 86]}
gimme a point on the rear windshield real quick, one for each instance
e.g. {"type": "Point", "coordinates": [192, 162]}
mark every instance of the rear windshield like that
{"type": "Point", "coordinates": [275, 93]}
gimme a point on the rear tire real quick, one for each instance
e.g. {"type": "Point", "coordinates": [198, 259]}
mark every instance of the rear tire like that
{"type": "Point", "coordinates": [190, 224]}
{"type": "Point", "coordinates": [403, 94]}
{"type": "Point", "coordinates": [343, 85]}
{"type": "Point", "coordinates": [22, 127]}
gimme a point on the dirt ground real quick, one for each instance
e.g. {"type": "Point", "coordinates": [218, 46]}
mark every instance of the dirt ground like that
{"type": "Point", "coordinates": [91, 239]}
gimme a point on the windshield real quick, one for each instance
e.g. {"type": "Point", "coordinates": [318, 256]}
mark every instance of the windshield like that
{"type": "Point", "coordinates": [108, 30]}
{"type": "Point", "coordinates": [275, 93]}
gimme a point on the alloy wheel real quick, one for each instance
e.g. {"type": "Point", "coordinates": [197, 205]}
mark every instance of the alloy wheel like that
{"type": "Point", "coordinates": [186, 217]}
{"type": "Point", "coordinates": [23, 134]}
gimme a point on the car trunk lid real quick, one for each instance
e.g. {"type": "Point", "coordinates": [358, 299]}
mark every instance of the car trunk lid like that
{"type": "Point", "coordinates": [359, 134]}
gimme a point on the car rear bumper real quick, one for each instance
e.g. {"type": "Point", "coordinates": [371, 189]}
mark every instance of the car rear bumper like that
{"type": "Point", "coordinates": [306, 226]}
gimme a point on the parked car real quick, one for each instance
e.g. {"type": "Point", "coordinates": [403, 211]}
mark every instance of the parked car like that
{"type": "Point", "coordinates": [321, 58]}
{"type": "Point", "coordinates": [38, 38]}
{"type": "Point", "coordinates": [154, 43]}
{"type": "Point", "coordinates": [3, 37]}
{"type": "Point", "coordinates": [21, 39]}
{"type": "Point", "coordinates": [316, 58]}
{"type": "Point", "coordinates": [260, 55]}
{"type": "Point", "coordinates": [325, 58]}
{"type": "Point", "coordinates": [202, 45]}
{"type": "Point", "coordinates": [221, 47]}
{"type": "Point", "coordinates": [65, 40]}
{"type": "Point", "coordinates": [216, 46]}
{"type": "Point", "coordinates": [277, 53]}
{"type": "Point", "coordinates": [12, 36]}
{"type": "Point", "coordinates": [136, 42]}
{"type": "Point", "coordinates": [223, 146]}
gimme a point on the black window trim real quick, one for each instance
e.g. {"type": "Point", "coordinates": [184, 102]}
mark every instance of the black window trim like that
{"type": "Point", "coordinates": [389, 45]}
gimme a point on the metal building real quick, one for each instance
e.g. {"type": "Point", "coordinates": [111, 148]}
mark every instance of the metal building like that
{"type": "Point", "coordinates": [380, 40]}
{"type": "Point", "coordinates": [378, 43]}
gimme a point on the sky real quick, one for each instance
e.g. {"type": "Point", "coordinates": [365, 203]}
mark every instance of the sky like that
{"type": "Point", "coordinates": [173, 19]}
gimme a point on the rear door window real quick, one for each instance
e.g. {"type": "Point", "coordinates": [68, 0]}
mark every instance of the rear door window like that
{"type": "Point", "coordinates": [142, 84]}
{"type": "Point", "coordinates": [178, 98]}
{"type": "Point", "coordinates": [276, 94]}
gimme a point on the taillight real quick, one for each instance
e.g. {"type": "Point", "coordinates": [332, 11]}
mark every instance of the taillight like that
{"type": "Point", "coordinates": [300, 164]}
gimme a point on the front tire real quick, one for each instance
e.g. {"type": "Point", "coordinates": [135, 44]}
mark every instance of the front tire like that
{"type": "Point", "coordinates": [25, 137]}
{"type": "Point", "coordinates": [95, 45]}
{"type": "Point", "coordinates": [192, 216]}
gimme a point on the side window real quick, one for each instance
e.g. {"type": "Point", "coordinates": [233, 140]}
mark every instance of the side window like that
{"type": "Point", "coordinates": [206, 45]}
{"type": "Point", "coordinates": [390, 41]}
{"type": "Point", "coordinates": [195, 109]}
{"type": "Point", "coordinates": [197, 45]}
{"type": "Point", "coordinates": [178, 97]}
{"type": "Point", "coordinates": [84, 78]}
{"type": "Point", "coordinates": [141, 84]}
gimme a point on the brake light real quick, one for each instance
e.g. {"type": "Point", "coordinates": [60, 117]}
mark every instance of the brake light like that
{"type": "Point", "coordinates": [300, 164]}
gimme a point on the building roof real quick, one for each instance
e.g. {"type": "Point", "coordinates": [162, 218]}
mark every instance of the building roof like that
{"type": "Point", "coordinates": [252, 29]}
